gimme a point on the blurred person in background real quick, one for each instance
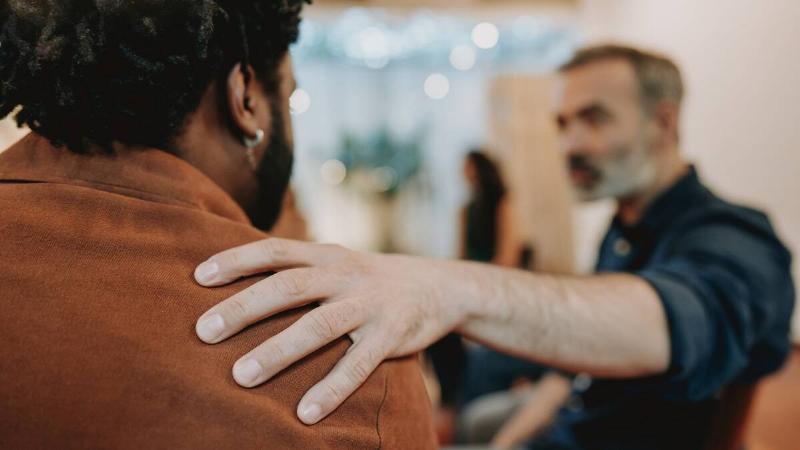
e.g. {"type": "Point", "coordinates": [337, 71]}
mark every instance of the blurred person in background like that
{"type": "Point", "coordinates": [161, 134]}
{"type": "Point", "coordinates": [488, 234]}
{"type": "Point", "coordinates": [693, 296]}
{"type": "Point", "coordinates": [488, 224]}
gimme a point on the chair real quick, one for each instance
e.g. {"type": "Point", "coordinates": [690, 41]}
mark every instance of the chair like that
{"type": "Point", "coordinates": [730, 421]}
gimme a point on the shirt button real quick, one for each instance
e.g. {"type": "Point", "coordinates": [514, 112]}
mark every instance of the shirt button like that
{"type": "Point", "coordinates": [622, 247]}
{"type": "Point", "coordinates": [582, 382]}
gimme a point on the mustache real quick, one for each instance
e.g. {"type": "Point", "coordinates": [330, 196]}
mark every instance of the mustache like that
{"type": "Point", "coordinates": [581, 162]}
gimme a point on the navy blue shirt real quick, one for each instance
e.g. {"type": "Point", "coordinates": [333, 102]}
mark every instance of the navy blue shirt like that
{"type": "Point", "coordinates": [724, 279]}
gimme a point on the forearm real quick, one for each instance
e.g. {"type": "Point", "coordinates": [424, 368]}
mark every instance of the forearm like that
{"type": "Point", "coordinates": [608, 325]}
{"type": "Point", "coordinates": [392, 306]}
{"type": "Point", "coordinates": [551, 393]}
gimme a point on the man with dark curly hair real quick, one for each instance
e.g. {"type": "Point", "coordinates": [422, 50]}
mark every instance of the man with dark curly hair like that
{"type": "Point", "coordinates": [160, 135]}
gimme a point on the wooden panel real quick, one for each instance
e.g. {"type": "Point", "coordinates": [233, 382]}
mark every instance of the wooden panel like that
{"type": "Point", "coordinates": [524, 140]}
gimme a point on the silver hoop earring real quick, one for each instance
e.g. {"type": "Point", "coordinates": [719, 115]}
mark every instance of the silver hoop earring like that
{"type": "Point", "coordinates": [253, 142]}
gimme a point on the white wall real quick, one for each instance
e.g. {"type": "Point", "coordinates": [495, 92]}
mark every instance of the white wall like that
{"type": "Point", "coordinates": [741, 61]}
{"type": "Point", "coordinates": [9, 133]}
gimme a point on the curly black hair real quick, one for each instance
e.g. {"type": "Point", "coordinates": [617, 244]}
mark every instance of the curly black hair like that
{"type": "Point", "coordinates": [87, 73]}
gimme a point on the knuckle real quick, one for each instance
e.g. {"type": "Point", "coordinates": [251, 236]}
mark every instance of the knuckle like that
{"type": "Point", "coordinates": [334, 248]}
{"type": "Point", "coordinates": [354, 266]}
{"type": "Point", "coordinates": [272, 354]}
{"type": "Point", "coordinates": [229, 259]}
{"type": "Point", "coordinates": [272, 249]}
{"type": "Point", "coordinates": [338, 252]}
{"type": "Point", "coordinates": [239, 308]}
{"type": "Point", "coordinates": [335, 393]}
{"type": "Point", "coordinates": [375, 356]}
{"type": "Point", "coordinates": [288, 284]}
{"type": "Point", "coordinates": [322, 325]}
{"type": "Point", "coordinates": [407, 325]}
{"type": "Point", "coordinates": [346, 312]}
{"type": "Point", "coordinates": [358, 372]}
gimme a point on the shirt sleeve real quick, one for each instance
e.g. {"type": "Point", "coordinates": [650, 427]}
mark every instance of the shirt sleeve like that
{"type": "Point", "coordinates": [724, 287]}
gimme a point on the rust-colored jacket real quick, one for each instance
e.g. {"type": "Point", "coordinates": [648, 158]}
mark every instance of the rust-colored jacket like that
{"type": "Point", "coordinates": [98, 303]}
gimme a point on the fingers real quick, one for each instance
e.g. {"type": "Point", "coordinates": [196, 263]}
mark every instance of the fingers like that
{"type": "Point", "coordinates": [349, 374]}
{"type": "Point", "coordinates": [313, 331]}
{"type": "Point", "coordinates": [262, 256]}
{"type": "Point", "coordinates": [278, 293]}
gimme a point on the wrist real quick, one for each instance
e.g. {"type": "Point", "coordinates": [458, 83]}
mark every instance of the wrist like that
{"type": "Point", "coordinates": [466, 290]}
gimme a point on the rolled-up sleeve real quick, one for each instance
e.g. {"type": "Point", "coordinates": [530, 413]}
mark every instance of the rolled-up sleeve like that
{"type": "Point", "coordinates": [723, 288]}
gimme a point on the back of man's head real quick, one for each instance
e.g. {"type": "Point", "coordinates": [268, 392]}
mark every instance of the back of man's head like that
{"type": "Point", "coordinates": [86, 74]}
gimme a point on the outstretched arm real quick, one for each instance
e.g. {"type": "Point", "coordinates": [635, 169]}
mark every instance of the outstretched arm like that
{"type": "Point", "coordinates": [391, 306]}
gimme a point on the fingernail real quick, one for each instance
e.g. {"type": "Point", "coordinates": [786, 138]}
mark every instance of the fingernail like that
{"type": "Point", "coordinates": [310, 414]}
{"type": "Point", "coordinates": [246, 372]}
{"type": "Point", "coordinates": [206, 272]}
{"type": "Point", "coordinates": [210, 328]}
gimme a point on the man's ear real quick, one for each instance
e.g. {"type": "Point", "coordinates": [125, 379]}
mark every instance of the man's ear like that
{"type": "Point", "coordinates": [247, 106]}
{"type": "Point", "coordinates": [666, 115]}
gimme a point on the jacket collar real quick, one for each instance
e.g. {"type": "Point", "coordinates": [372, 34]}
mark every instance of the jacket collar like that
{"type": "Point", "coordinates": [147, 174]}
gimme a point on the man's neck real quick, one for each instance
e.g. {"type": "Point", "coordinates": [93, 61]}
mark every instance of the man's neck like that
{"type": "Point", "coordinates": [631, 209]}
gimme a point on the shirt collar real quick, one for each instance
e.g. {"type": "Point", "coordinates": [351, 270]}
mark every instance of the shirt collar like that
{"type": "Point", "coordinates": [660, 214]}
{"type": "Point", "coordinates": [148, 174]}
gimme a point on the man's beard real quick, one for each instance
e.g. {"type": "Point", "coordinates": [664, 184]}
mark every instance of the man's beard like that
{"type": "Point", "coordinates": [272, 174]}
{"type": "Point", "coordinates": [630, 171]}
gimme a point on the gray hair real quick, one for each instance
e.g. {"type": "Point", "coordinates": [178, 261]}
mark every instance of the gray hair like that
{"type": "Point", "coordinates": [659, 77]}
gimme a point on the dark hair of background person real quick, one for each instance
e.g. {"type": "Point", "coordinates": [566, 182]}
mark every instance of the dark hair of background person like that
{"type": "Point", "coordinates": [659, 77]}
{"type": "Point", "coordinates": [483, 207]}
{"type": "Point", "coordinates": [86, 74]}
{"type": "Point", "coordinates": [448, 355]}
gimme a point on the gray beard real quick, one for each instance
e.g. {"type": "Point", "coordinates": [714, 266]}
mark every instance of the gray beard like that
{"type": "Point", "coordinates": [633, 172]}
